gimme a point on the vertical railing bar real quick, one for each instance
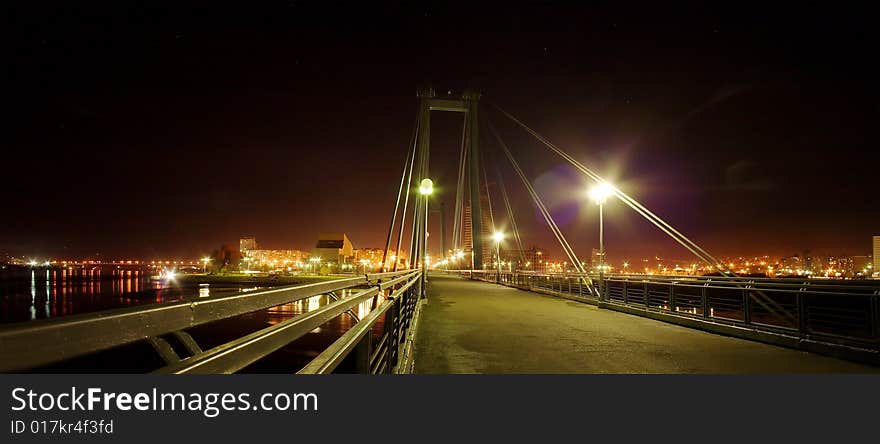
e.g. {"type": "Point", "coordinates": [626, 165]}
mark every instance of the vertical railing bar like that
{"type": "Point", "coordinates": [704, 300]}
{"type": "Point", "coordinates": [747, 305]}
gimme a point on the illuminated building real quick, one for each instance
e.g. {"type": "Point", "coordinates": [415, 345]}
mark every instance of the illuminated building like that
{"type": "Point", "coordinates": [246, 244]}
{"type": "Point", "coordinates": [528, 259]}
{"type": "Point", "coordinates": [595, 258]}
{"type": "Point", "coordinates": [486, 229]}
{"type": "Point", "coordinates": [334, 248]}
{"type": "Point", "coordinates": [277, 258]}
{"type": "Point", "coordinates": [876, 256]}
{"type": "Point", "coordinates": [372, 258]}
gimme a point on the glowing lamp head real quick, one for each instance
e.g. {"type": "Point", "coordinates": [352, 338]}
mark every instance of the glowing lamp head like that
{"type": "Point", "coordinates": [168, 275]}
{"type": "Point", "coordinates": [426, 188]}
{"type": "Point", "coordinates": [498, 237]}
{"type": "Point", "coordinates": [600, 192]}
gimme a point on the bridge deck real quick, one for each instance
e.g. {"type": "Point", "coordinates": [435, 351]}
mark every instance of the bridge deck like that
{"type": "Point", "coordinates": [476, 327]}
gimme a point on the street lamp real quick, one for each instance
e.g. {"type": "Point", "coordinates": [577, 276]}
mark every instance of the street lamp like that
{"type": "Point", "coordinates": [247, 261]}
{"type": "Point", "coordinates": [600, 194]}
{"type": "Point", "coordinates": [205, 261]}
{"type": "Point", "coordinates": [426, 188]}
{"type": "Point", "coordinates": [498, 237]}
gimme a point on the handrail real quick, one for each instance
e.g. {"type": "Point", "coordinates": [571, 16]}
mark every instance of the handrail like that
{"type": "Point", "coordinates": [333, 355]}
{"type": "Point", "coordinates": [815, 285]}
{"type": "Point", "coordinates": [238, 354]}
{"type": "Point", "coordinates": [37, 343]}
{"type": "Point", "coordinates": [842, 314]}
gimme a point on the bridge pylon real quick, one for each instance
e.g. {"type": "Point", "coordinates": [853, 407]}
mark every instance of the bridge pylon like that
{"type": "Point", "coordinates": [467, 103]}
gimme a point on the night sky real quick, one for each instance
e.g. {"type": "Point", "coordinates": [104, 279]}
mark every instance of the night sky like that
{"type": "Point", "coordinates": [143, 132]}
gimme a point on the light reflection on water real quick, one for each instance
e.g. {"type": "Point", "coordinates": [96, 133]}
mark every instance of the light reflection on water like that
{"type": "Point", "coordinates": [50, 293]}
{"type": "Point", "coordinates": [41, 293]}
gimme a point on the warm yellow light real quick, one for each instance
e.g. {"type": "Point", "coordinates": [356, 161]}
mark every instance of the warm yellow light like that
{"type": "Point", "coordinates": [498, 237]}
{"type": "Point", "coordinates": [600, 192]}
{"type": "Point", "coordinates": [426, 187]}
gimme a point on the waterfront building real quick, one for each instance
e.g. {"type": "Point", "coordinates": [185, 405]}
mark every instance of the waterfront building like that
{"type": "Point", "coordinates": [334, 248]}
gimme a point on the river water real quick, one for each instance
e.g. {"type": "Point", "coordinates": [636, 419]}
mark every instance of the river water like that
{"type": "Point", "coordinates": [27, 295]}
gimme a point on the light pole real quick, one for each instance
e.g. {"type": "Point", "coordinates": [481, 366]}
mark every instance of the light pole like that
{"type": "Point", "coordinates": [600, 194]}
{"type": "Point", "coordinates": [205, 261]}
{"type": "Point", "coordinates": [498, 237]}
{"type": "Point", "coordinates": [426, 188]}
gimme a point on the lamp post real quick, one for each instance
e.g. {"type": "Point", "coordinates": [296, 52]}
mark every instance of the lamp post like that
{"type": "Point", "coordinates": [205, 261]}
{"type": "Point", "coordinates": [426, 188]}
{"type": "Point", "coordinates": [498, 237]}
{"type": "Point", "coordinates": [600, 194]}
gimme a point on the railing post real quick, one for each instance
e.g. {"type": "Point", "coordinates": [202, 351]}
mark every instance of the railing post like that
{"type": "Point", "coordinates": [362, 354]}
{"type": "Point", "coordinates": [672, 297]}
{"type": "Point", "coordinates": [747, 305]}
{"type": "Point", "coordinates": [875, 315]}
{"type": "Point", "coordinates": [704, 299]}
{"type": "Point", "coordinates": [801, 299]}
{"type": "Point", "coordinates": [392, 342]}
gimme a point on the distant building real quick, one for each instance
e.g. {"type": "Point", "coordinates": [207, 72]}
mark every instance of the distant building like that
{"type": "Point", "coordinates": [277, 258]}
{"type": "Point", "coordinates": [266, 258]}
{"type": "Point", "coordinates": [595, 258]}
{"type": "Point", "coordinates": [334, 248]}
{"type": "Point", "coordinates": [246, 244]}
{"type": "Point", "coordinates": [530, 259]}
{"type": "Point", "coordinates": [369, 258]}
{"type": "Point", "coordinates": [488, 253]}
{"type": "Point", "coordinates": [372, 258]}
{"type": "Point", "coordinates": [877, 256]}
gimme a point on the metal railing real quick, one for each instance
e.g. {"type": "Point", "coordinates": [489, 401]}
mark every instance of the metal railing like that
{"type": "Point", "coordinates": [836, 312]}
{"type": "Point", "coordinates": [30, 345]}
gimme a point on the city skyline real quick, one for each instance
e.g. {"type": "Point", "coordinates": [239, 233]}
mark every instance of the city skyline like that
{"type": "Point", "coordinates": [676, 254]}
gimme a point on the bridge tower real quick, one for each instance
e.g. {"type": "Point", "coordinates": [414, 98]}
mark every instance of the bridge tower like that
{"type": "Point", "coordinates": [466, 103]}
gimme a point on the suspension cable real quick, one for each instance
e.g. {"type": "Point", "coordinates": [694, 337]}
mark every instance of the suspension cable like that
{"type": "Point", "coordinates": [762, 299]}
{"type": "Point", "coordinates": [457, 225]}
{"type": "Point", "coordinates": [635, 205]}
{"type": "Point", "coordinates": [410, 153]}
{"type": "Point", "coordinates": [488, 197]}
{"type": "Point", "coordinates": [510, 217]}
{"type": "Point", "coordinates": [412, 160]}
{"type": "Point", "coordinates": [566, 247]}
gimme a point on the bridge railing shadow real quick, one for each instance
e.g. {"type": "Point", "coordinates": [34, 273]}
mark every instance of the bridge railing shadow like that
{"type": "Point", "coordinates": [822, 315]}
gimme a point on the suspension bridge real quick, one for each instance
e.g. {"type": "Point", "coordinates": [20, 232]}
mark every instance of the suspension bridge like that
{"type": "Point", "coordinates": [471, 316]}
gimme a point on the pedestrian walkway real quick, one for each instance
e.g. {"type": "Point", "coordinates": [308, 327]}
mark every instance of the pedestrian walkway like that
{"type": "Point", "coordinates": [476, 327]}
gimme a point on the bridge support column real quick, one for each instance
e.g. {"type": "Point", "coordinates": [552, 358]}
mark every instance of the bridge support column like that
{"type": "Point", "coordinates": [473, 139]}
